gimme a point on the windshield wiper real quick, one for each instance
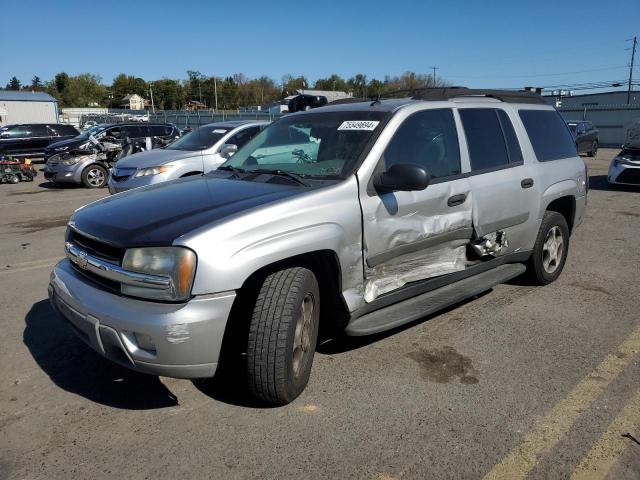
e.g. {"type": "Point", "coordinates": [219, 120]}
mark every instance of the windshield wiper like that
{"type": "Point", "coordinates": [283, 173]}
{"type": "Point", "coordinates": [235, 170]}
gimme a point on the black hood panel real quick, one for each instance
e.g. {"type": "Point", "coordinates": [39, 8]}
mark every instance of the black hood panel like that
{"type": "Point", "coordinates": [158, 214]}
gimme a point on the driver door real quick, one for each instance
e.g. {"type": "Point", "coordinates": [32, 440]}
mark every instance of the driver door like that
{"type": "Point", "coordinates": [408, 235]}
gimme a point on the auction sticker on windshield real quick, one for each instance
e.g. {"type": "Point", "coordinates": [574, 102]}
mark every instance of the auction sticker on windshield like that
{"type": "Point", "coordinates": [359, 125]}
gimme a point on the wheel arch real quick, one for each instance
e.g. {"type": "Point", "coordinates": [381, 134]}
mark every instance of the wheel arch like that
{"type": "Point", "coordinates": [565, 206]}
{"type": "Point", "coordinates": [334, 313]}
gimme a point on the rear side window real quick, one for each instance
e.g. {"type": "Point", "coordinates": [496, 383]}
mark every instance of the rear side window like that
{"type": "Point", "coordinates": [549, 134]}
{"type": "Point", "coordinates": [160, 130]}
{"type": "Point", "coordinates": [39, 131]}
{"type": "Point", "coordinates": [487, 147]}
{"type": "Point", "coordinates": [135, 131]}
{"type": "Point", "coordinates": [63, 130]}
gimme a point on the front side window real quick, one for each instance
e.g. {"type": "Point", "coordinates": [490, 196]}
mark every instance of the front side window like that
{"type": "Point", "coordinates": [549, 134]}
{"type": "Point", "coordinates": [324, 145]}
{"type": "Point", "coordinates": [429, 140]}
{"type": "Point", "coordinates": [486, 142]}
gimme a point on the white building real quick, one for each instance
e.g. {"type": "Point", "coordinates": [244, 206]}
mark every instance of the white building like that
{"type": "Point", "coordinates": [133, 102]}
{"type": "Point", "coordinates": [27, 107]}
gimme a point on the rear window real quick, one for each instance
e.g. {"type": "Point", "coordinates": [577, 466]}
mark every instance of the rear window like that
{"type": "Point", "coordinates": [549, 134]}
{"type": "Point", "coordinates": [135, 131]}
{"type": "Point", "coordinates": [64, 130]}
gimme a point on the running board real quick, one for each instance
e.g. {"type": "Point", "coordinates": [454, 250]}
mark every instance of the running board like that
{"type": "Point", "coordinates": [422, 305]}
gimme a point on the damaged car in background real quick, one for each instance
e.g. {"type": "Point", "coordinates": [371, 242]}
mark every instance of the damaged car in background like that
{"type": "Point", "coordinates": [354, 218]}
{"type": "Point", "coordinates": [87, 158]}
{"type": "Point", "coordinates": [625, 167]}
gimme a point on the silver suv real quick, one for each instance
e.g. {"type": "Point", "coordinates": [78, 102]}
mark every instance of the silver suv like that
{"type": "Point", "coordinates": [200, 151]}
{"type": "Point", "coordinates": [353, 218]}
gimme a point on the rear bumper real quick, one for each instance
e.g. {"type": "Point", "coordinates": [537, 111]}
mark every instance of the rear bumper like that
{"type": "Point", "coordinates": [185, 338]}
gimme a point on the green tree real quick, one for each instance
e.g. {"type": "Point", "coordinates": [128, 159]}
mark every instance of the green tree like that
{"type": "Point", "coordinates": [168, 94]}
{"type": "Point", "coordinates": [334, 83]}
{"type": "Point", "coordinates": [84, 90]}
{"type": "Point", "coordinates": [36, 83]}
{"type": "Point", "coordinates": [128, 84]}
{"type": "Point", "coordinates": [61, 80]}
{"type": "Point", "coordinates": [195, 84]}
{"type": "Point", "coordinates": [291, 84]}
{"type": "Point", "coordinates": [14, 84]}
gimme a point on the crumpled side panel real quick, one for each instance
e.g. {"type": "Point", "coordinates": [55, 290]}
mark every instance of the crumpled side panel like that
{"type": "Point", "coordinates": [392, 232]}
{"type": "Point", "coordinates": [412, 267]}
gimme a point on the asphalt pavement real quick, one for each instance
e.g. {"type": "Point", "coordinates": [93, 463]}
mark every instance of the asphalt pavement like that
{"type": "Point", "coordinates": [535, 382]}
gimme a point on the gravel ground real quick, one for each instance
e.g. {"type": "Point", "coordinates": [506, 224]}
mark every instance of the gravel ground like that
{"type": "Point", "coordinates": [523, 380]}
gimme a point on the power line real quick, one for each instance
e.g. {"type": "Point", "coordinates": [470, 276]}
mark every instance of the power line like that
{"type": "Point", "coordinates": [541, 74]}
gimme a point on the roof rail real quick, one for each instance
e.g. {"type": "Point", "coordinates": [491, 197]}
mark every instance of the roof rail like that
{"type": "Point", "coordinates": [446, 93]}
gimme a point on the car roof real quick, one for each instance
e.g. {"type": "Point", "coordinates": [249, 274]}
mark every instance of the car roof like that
{"type": "Point", "coordinates": [235, 123]}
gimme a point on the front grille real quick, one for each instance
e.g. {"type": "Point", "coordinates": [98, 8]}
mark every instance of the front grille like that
{"type": "Point", "coordinates": [629, 175]}
{"type": "Point", "coordinates": [97, 280]}
{"type": "Point", "coordinates": [96, 248]}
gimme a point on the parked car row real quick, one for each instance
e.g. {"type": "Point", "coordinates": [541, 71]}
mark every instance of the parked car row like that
{"type": "Point", "coordinates": [354, 218]}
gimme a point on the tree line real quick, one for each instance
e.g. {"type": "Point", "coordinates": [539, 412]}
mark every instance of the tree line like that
{"type": "Point", "coordinates": [88, 90]}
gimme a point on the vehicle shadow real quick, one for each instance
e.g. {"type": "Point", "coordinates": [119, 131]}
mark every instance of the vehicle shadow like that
{"type": "Point", "coordinates": [599, 182]}
{"type": "Point", "coordinates": [59, 186]}
{"type": "Point", "coordinates": [76, 368]}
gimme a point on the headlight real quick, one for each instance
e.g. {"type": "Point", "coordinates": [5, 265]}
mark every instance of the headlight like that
{"type": "Point", "coordinates": [177, 263]}
{"type": "Point", "coordinates": [143, 172]}
{"type": "Point", "coordinates": [76, 159]}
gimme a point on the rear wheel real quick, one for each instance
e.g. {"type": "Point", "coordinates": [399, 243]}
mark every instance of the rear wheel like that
{"type": "Point", "coordinates": [594, 149]}
{"type": "Point", "coordinates": [550, 250]}
{"type": "Point", "coordinates": [94, 176]}
{"type": "Point", "coordinates": [283, 334]}
{"type": "Point", "coordinates": [14, 179]}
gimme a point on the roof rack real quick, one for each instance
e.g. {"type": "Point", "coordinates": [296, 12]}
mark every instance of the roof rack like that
{"type": "Point", "coordinates": [446, 93]}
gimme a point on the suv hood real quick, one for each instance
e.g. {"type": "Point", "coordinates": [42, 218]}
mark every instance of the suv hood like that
{"type": "Point", "coordinates": [158, 214]}
{"type": "Point", "coordinates": [72, 143]}
{"type": "Point", "coordinates": [153, 158]}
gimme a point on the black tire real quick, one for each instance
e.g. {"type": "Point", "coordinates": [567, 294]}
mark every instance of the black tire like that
{"type": "Point", "coordinates": [282, 340]}
{"type": "Point", "coordinates": [594, 149]}
{"type": "Point", "coordinates": [14, 179]}
{"type": "Point", "coordinates": [94, 176]}
{"type": "Point", "coordinates": [541, 271]}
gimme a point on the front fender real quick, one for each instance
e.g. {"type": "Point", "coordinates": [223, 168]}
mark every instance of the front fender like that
{"type": "Point", "coordinates": [325, 219]}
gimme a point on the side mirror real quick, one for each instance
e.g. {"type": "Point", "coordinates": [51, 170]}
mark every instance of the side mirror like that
{"type": "Point", "coordinates": [228, 149]}
{"type": "Point", "coordinates": [403, 177]}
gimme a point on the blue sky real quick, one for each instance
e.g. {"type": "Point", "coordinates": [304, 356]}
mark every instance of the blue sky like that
{"type": "Point", "coordinates": [474, 43]}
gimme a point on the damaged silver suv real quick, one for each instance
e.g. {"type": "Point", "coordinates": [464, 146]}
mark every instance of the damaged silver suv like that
{"type": "Point", "coordinates": [356, 218]}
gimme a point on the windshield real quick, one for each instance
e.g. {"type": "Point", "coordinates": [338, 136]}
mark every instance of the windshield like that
{"type": "Point", "coordinates": [200, 139]}
{"type": "Point", "coordinates": [320, 145]}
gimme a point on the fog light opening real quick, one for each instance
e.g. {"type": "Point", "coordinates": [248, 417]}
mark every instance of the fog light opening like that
{"type": "Point", "coordinates": [145, 342]}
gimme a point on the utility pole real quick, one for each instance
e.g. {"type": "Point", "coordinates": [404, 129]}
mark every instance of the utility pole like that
{"type": "Point", "coordinates": [434, 74]}
{"type": "Point", "coordinates": [153, 108]}
{"type": "Point", "coordinates": [215, 91]}
{"type": "Point", "coordinates": [633, 56]}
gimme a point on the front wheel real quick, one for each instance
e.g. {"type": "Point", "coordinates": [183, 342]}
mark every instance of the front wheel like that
{"type": "Point", "coordinates": [94, 176]}
{"type": "Point", "coordinates": [282, 335]}
{"type": "Point", "coordinates": [550, 250]}
{"type": "Point", "coordinates": [594, 149]}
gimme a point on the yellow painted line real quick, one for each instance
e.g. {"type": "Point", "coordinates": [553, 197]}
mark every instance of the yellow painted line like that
{"type": "Point", "coordinates": [557, 422]}
{"type": "Point", "coordinates": [604, 454]}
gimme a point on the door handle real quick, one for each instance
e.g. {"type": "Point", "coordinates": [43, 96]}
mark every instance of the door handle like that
{"type": "Point", "coordinates": [457, 200]}
{"type": "Point", "coordinates": [527, 183]}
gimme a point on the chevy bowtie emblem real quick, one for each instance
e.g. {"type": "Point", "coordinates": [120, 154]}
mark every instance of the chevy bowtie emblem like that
{"type": "Point", "coordinates": [81, 260]}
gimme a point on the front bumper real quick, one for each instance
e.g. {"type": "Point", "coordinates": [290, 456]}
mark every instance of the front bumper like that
{"type": "Point", "coordinates": [186, 338]}
{"type": "Point", "coordinates": [624, 174]}
{"type": "Point", "coordinates": [61, 173]}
